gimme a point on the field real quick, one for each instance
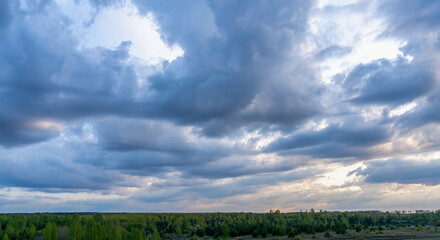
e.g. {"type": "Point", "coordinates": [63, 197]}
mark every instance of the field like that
{"type": "Point", "coordinates": [427, 232]}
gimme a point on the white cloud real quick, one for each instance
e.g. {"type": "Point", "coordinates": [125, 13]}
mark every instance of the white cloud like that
{"type": "Point", "coordinates": [357, 27]}
{"type": "Point", "coordinates": [402, 109]}
{"type": "Point", "coordinates": [112, 25]}
{"type": "Point", "coordinates": [340, 175]}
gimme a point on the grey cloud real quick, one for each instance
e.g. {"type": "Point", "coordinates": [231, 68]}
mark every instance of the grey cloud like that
{"type": "Point", "coordinates": [389, 82]}
{"type": "Point", "coordinates": [146, 163]}
{"type": "Point", "coordinates": [242, 71]}
{"type": "Point", "coordinates": [238, 166]}
{"type": "Point", "coordinates": [146, 147]}
{"type": "Point", "coordinates": [333, 51]}
{"type": "Point", "coordinates": [166, 192]}
{"type": "Point", "coordinates": [402, 171]}
{"type": "Point", "coordinates": [127, 135]}
{"type": "Point", "coordinates": [232, 74]}
{"type": "Point", "coordinates": [19, 132]}
{"type": "Point", "coordinates": [53, 175]}
{"type": "Point", "coordinates": [252, 184]}
{"type": "Point", "coordinates": [426, 113]}
{"type": "Point", "coordinates": [140, 147]}
{"type": "Point", "coordinates": [411, 19]}
{"type": "Point", "coordinates": [57, 81]}
{"type": "Point", "coordinates": [51, 167]}
{"type": "Point", "coordinates": [331, 150]}
{"type": "Point", "coordinates": [416, 22]}
{"type": "Point", "coordinates": [334, 141]}
{"type": "Point", "coordinates": [58, 204]}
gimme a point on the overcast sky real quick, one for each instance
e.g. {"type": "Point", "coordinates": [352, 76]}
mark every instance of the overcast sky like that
{"type": "Point", "coordinates": [164, 106]}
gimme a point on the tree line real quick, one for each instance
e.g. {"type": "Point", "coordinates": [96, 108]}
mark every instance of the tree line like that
{"type": "Point", "coordinates": [156, 226]}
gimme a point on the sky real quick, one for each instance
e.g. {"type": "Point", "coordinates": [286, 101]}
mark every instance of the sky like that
{"type": "Point", "coordinates": [206, 106]}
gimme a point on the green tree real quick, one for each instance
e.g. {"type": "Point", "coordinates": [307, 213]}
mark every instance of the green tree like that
{"type": "Point", "coordinates": [292, 232]}
{"type": "Point", "coordinates": [255, 233]}
{"type": "Point", "coordinates": [5, 237]}
{"type": "Point", "coordinates": [75, 230]}
{"type": "Point", "coordinates": [345, 223]}
{"type": "Point", "coordinates": [225, 230]}
{"type": "Point", "coordinates": [264, 232]}
{"type": "Point", "coordinates": [155, 235]}
{"type": "Point", "coordinates": [50, 232]}
{"type": "Point", "coordinates": [92, 230]}
{"type": "Point", "coordinates": [283, 229]}
{"type": "Point", "coordinates": [11, 230]}
{"type": "Point", "coordinates": [136, 234]}
{"type": "Point", "coordinates": [115, 233]}
{"type": "Point", "coordinates": [178, 230]}
{"type": "Point", "coordinates": [185, 225]}
{"type": "Point", "coordinates": [31, 231]}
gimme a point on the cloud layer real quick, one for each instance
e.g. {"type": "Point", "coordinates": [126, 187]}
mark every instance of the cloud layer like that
{"type": "Point", "coordinates": [273, 104]}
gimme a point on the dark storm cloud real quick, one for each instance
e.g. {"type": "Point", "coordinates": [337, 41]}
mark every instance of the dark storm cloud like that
{"type": "Point", "coordinates": [389, 82]}
{"type": "Point", "coordinates": [402, 171]}
{"type": "Point", "coordinates": [335, 141]}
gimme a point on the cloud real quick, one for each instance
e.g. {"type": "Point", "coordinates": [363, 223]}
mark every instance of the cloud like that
{"type": "Point", "coordinates": [402, 171]}
{"type": "Point", "coordinates": [417, 23]}
{"type": "Point", "coordinates": [34, 169]}
{"type": "Point", "coordinates": [49, 175]}
{"type": "Point", "coordinates": [248, 111]}
{"type": "Point", "coordinates": [243, 165]}
{"type": "Point", "coordinates": [335, 141]}
{"type": "Point", "coordinates": [154, 148]}
{"type": "Point", "coordinates": [53, 166]}
{"type": "Point", "coordinates": [19, 132]}
{"type": "Point", "coordinates": [129, 135]}
{"type": "Point", "coordinates": [333, 51]}
{"type": "Point", "coordinates": [389, 82]}
{"type": "Point", "coordinates": [235, 77]}
{"type": "Point", "coordinates": [57, 81]}
{"type": "Point", "coordinates": [145, 147]}
{"type": "Point", "coordinates": [239, 69]}
{"type": "Point", "coordinates": [411, 19]}
{"type": "Point", "coordinates": [193, 190]}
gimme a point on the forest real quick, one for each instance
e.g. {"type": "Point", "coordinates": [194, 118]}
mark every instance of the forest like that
{"type": "Point", "coordinates": [155, 226]}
